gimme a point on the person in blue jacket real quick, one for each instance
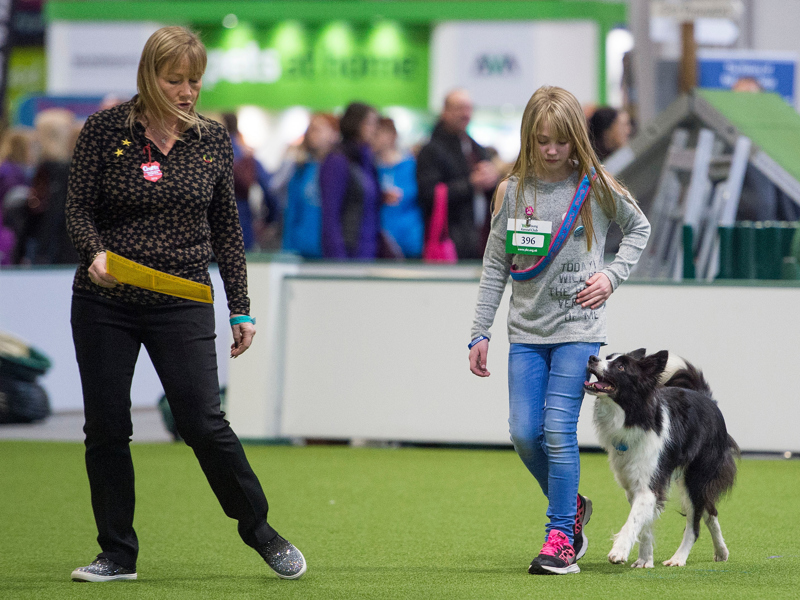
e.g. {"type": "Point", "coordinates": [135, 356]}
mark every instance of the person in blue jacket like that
{"type": "Point", "coordinates": [401, 217]}
{"type": "Point", "coordinates": [302, 224]}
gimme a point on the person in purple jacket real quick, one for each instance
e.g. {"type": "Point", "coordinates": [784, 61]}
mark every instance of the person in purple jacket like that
{"type": "Point", "coordinates": [349, 189]}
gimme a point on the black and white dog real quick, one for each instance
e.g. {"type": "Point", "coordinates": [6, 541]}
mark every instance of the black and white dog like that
{"type": "Point", "coordinates": [656, 418]}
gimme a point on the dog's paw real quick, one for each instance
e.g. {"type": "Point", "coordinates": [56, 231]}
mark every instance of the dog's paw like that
{"type": "Point", "coordinates": [617, 557]}
{"type": "Point", "coordinates": [721, 555]}
{"type": "Point", "coordinates": [675, 561]}
{"type": "Point", "coordinates": [642, 564]}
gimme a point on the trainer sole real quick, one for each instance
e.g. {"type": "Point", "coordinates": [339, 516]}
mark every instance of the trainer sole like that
{"type": "Point", "coordinates": [82, 576]}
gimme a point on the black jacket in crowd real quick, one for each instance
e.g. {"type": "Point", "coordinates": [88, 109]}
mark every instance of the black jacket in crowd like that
{"type": "Point", "coordinates": [444, 160]}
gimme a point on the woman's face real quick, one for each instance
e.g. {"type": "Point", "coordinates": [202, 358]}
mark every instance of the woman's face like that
{"type": "Point", "coordinates": [179, 87]}
{"type": "Point", "coordinates": [320, 136]}
{"type": "Point", "coordinates": [555, 153]}
{"type": "Point", "coordinates": [618, 134]}
{"type": "Point", "coordinates": [369, 127]}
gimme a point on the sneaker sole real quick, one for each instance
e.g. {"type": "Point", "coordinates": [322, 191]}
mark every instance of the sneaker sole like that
{"type": "Point", "coordinates": [544, 570]}
{"type": "Point", "coordinates": [583, 549]}
{"type": "Point", "coordinates": [90, 577]}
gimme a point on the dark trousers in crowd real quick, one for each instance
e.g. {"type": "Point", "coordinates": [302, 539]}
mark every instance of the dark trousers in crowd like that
{"type": "Point", "coordinates": [180, 341]}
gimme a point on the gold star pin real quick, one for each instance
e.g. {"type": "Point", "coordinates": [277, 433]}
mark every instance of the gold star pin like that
{"type": "Point", "coordinates": [118, 152]}
{"type": "Point", "coordinates": [126, 142]}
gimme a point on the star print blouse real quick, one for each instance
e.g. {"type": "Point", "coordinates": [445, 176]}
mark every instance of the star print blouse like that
{"type": "Point", "coordinates": [173, 223]}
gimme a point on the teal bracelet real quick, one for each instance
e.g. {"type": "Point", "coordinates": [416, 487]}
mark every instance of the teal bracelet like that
{"type": "Point", "coordinates": [242, 319]}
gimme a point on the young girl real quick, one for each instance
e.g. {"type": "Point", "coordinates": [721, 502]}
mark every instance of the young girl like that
{"type": "Point", "coordinates": [556, 316]}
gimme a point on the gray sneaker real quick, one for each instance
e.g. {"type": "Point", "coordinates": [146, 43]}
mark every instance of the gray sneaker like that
{"type": "Point", "coordinates": [283, 558]}
{"type": "Point", "coordinates": [102, 569]}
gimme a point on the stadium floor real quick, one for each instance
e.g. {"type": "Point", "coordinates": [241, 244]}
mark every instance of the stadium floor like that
{"type": "Point", "coordinates": [377, 523]}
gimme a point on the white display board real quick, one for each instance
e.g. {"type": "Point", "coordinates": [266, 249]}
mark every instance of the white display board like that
{"type": "Point", "coordinates": [95, 58]}
{"type": "Point", "coordinates": [501, 63]}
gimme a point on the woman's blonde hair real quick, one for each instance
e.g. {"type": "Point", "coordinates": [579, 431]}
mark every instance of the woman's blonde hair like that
{"type": "Point", "coordinates": [165, 49]}
{"type": "Point", "coordinates": [562, 113]}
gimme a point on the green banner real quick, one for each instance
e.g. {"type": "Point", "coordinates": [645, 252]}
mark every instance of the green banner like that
{"type": "Point", "coordinates": [318, 66]}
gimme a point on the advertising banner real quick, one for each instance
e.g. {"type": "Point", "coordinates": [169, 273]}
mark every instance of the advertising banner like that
{"type": "Point", "coordinates": [319, 66]}
{"type": "Point", "coordinates": [502, 63]}
{"type": "Point", "coordinates": [749, 70]}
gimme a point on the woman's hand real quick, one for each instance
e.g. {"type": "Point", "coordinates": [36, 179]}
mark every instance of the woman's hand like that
{"type": "Point", "coordinates": [477, 358]}
{"type": "Point", "coordinates": [98, 273]}
{"type": "Point", "coordinates": [243, 334]}
{"type": "Point", "coordinates": [598, 289]}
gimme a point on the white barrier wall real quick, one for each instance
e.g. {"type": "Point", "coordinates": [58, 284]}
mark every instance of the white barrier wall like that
{"type": "Point", "coordinates": [379, 352]}
{"type": "Point", "coordinates": [35, 306]}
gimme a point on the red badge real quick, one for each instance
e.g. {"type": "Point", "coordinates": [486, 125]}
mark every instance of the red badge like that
{"type": "Point", "coordinates": [152, 171]}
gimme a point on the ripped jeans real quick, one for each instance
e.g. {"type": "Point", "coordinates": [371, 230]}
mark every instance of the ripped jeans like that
{"type": "Point", "coordinates": [545, 384]}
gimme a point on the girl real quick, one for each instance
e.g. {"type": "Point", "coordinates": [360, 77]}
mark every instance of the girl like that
{"type": "Point", "coordinates": [556, 316]}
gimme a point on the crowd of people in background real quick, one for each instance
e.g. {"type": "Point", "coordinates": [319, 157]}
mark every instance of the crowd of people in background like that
{"type": "Point", "coordinates": [344, 191]}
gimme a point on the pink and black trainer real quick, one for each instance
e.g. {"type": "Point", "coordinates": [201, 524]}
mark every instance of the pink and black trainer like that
{"type": "Point", "coordinates": [556, 558]}
{"type": "Point", "coordinates": [579, 540]}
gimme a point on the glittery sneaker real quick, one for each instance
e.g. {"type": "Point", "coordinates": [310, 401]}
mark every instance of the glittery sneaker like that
{"type": "Point", "coordinates": [557, 556]}
{"type": "Point", "coordinates": [580, 541]}
{"type": "Point", "coordinates": [102, 569]}
{"type": "Point", "coordinates": [283, 558]}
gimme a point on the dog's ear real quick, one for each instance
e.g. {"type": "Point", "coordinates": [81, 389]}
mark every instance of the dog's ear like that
{"type": "Point", "coordinates": [655, 363]}
{"type": "Point", "coordinates": [638, 354]}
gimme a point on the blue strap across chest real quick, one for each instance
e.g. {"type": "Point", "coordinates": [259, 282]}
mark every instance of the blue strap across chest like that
{"type": "Point", "coordinates": [561, 235]}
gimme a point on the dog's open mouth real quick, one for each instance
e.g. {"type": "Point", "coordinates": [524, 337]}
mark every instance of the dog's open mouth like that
{"type": "Point", "coordinates": [598, 387]}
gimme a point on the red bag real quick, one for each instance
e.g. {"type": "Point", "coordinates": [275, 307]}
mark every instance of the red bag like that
{"type": "Point", "coordinates": [439, 248]}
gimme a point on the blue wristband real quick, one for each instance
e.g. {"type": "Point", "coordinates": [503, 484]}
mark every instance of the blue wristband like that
{"type": "Point", "coordinates": [242, 319]}
{"type": "Point", "coordinates": [480, 338]}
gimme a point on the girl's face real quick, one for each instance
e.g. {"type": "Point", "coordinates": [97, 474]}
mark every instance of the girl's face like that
{"type": "Point", "coordinates": [555, 153]}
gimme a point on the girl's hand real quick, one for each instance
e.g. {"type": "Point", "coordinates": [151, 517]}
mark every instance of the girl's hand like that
{"type": "Point", "coordinates": [243, 334]}
{"type": "Point", "coordinates": [98, 273]}
{"type": "Point", "coordinates": [598, 289]}
{"type": "Point", "coordinates": [477, 358]}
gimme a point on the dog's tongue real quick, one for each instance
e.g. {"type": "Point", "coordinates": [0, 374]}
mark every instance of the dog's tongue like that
{"type": "Point", "coordinates": [595, 384]}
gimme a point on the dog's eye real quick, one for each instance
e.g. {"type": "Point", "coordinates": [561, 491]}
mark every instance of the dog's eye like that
{"type": "Point", "coordinates": [620, 367]}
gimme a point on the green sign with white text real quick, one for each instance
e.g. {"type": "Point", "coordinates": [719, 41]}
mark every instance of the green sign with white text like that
{"type": "Point", "coordinates": [319, 66]}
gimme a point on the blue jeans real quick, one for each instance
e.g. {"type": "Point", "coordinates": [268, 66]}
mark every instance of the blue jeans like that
{"type": "Point", "coordinates": [545, 384]}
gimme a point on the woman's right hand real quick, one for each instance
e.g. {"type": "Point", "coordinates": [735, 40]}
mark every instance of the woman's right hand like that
{"type": "Point", "coordinates": [98, 273]}
{"type": "Point", "coordinates": [477, 358]}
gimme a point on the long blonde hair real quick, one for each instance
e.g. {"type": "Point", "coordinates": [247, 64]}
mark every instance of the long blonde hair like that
{"type": "Point", "coordinates": [561, 112]}
{"type": "Point", "coordinates": [166, 48]}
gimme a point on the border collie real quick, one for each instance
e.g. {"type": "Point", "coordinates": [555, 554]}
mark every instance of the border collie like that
{"type": "Point", "coordinates": [657, 420]}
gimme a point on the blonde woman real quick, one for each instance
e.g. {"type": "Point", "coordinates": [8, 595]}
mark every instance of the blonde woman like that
{"type": "Point", "coordinates": [152, 180]}
{"type": "Point", "coordinates": [548, 232]}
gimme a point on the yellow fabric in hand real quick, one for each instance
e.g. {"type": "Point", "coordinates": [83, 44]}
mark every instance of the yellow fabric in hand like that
{"type": "Point", "coordinates": [132, 273]}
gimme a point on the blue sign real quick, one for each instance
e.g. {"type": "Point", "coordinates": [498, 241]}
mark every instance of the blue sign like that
{"type": "Point", "coordinates": [748, 71]}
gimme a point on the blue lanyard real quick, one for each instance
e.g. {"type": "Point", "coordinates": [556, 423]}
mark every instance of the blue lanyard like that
{"type": "Point", "coordinates": [563, 232]}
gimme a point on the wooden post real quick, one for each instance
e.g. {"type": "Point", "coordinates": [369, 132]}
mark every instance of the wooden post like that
{"type": "Point", "coordinates": [688, 70]}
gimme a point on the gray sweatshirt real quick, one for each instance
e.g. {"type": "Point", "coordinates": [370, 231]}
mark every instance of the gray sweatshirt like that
{"type": "Point", "coordinates": [544, 310]}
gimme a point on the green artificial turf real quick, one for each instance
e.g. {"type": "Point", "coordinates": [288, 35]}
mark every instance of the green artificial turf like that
{"type": "Point", "coordinates": [378, 523]}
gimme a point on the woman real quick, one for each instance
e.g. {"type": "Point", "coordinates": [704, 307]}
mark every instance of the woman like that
{"type": "Point", "coordinates": [350, 192]}
{"type": "Point", "coordinates": [302, 221]}
{"type": "Point", "coordinates": [152, 180]}
{"type": "Point", "coordinates": [609, 130]}
{"type": "Point", "coordinates": [556, 317]}
{"type": "Point", "coordinates": [401, 217]}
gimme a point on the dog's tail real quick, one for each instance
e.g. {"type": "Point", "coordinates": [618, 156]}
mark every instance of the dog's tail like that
{"type": "Point", "coordinates": [691, 378]}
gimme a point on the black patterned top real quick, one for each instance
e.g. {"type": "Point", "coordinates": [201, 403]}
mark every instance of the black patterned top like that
{"type": "Point", "coordinates": [172, 224]}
